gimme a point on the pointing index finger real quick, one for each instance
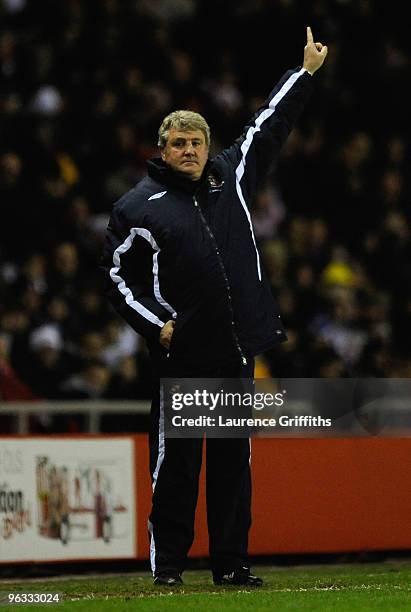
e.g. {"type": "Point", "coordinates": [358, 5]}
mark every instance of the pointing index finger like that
{"type": "Point", "coordinates": [310, 38]}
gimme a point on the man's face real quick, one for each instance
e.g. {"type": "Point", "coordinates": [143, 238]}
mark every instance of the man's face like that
{"type": "Point", "coordinates": [186, 152]}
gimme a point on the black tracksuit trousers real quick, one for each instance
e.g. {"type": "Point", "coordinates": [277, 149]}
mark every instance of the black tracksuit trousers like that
{"type": "Point", "coordinates": [175, 468]}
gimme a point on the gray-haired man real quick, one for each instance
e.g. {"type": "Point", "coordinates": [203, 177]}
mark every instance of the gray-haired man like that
{"type": "Point", "coordinates": [184, 271]}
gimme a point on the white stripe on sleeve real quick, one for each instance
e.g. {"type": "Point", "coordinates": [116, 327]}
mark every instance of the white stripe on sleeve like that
{"type": "Point", "coordinates": [126, 291]}
{"type": "Point", "coordinates": [247, 144]}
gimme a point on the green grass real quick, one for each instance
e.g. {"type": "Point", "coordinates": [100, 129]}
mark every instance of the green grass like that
{"type": "Point", "coordinates": [383, 586]}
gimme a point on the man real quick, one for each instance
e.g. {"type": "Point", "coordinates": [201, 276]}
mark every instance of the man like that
{"type": "Point", "coordinates": [184, 271]}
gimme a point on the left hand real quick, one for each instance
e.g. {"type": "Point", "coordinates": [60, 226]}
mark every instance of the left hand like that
{"type": "Point", "coordinates": [314, 53]}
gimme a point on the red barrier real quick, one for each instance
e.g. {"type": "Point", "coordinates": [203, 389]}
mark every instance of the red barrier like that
{"type": "Point", "coordinates": [313, 496]}
{"type": "Point", "coordinates": [309, 496]}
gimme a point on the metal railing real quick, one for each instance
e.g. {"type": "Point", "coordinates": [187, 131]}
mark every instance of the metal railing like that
{"type": "Point", "coordinates": [92, 409]}
{"type": "Point", "coordinates": [390, 418]}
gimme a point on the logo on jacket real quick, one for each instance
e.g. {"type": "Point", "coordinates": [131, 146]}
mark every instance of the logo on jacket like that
{"type": "Point", "coordinates": [157, 195]}
{"type": "Point", "coordinates": [215, 184]}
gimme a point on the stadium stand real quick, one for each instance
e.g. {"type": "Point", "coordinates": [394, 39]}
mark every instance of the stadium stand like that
{"type": "Point", "coordinates": [84, 88]}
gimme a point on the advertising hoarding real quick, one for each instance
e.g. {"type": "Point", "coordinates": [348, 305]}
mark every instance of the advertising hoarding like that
{"type": "Point", "coordinates": [67, 499]}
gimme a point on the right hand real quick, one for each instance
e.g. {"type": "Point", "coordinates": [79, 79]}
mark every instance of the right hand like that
{"type": "Point", "coordinates": [314, 53]}
{"type": "Point", "coordinates": [166, 333]}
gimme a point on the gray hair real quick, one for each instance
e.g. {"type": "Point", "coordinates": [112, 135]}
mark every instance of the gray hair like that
{"type": "Point", "coordinates": [184, 121]}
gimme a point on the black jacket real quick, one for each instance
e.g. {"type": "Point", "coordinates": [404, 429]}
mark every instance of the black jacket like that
{"type": "Point", "coordinates": [186, 250]}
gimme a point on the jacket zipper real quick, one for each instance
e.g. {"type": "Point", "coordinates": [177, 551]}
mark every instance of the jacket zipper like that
{"type": "Point", "coordinates": [221, 263]}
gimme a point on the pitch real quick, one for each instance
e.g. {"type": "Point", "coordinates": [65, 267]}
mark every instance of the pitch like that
{"type": "Point", "coordinates": [372, 586]}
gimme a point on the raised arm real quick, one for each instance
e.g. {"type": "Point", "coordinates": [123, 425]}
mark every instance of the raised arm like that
{"type": "Point", "coordinates": [256, 151]}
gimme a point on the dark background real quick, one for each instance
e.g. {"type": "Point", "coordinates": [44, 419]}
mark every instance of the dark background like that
{"type": "Point", "coordinates": [84, 87]}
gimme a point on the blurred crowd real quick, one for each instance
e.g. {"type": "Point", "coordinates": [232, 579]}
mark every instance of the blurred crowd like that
{"type": "Point", "coordinates": [84, 87]}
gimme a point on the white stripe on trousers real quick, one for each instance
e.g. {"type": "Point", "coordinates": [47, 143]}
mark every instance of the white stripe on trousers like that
{"type": "Point", "coordinates": [160, 459]}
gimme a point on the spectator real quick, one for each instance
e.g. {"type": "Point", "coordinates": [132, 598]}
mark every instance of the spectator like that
{"type": "Point", "coordinates": [89, 383]}
{"type": "Point", "coordinates": [49, 365]}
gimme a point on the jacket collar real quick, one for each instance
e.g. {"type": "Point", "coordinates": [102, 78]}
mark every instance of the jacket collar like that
{"type": "Point", "coordinates": [161, 172]}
